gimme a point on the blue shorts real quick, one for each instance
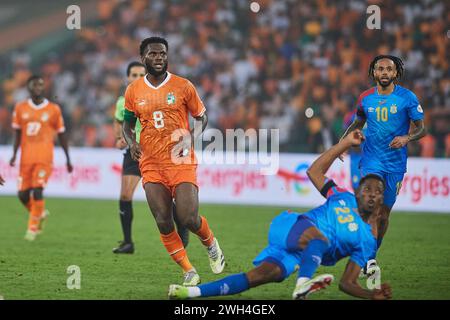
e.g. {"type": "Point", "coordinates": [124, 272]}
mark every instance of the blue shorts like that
{"type": "Point", "coordinates": [285, 230]}
{"type": "Point", "coordinates": [393, 184]}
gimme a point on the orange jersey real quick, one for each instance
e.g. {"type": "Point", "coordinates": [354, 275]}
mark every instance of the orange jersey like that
{"type": "Point", "coordinates": [161, 111]}
{"type": "Point", "coordinates": [38, 124]}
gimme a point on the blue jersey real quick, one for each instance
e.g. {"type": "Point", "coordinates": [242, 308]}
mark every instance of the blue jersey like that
{"type": "Point", "coordinates": [348, 235]}
{"type": "Point", "coordinates": [387, 116]}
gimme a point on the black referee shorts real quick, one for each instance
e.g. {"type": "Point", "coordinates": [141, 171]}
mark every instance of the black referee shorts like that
{"type": "Point", "coordinates": [129, 166]}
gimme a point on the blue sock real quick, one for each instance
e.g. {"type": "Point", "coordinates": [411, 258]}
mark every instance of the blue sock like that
{"type": "Point", "coordinates": [312, 257]}
{"type": "Point", "coordinates": [229, 285]}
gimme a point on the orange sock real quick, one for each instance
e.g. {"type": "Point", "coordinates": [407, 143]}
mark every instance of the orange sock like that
{"type": "Point", "coordinates": [37, 208]}
{"type": "Point", "coordinates": [204, 233]}
{"type": "Point", "coordinates": [174, 246]}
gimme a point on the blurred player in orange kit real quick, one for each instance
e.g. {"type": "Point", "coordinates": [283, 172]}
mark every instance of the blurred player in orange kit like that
{"type": "Point", "coordinates": [162, 102]}
{"type": "Point", "coordinates": [36, 121]}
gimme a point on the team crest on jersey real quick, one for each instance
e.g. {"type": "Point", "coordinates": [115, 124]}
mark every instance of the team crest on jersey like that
{"type": "Point", "coordinates": [394, 108]}
{"type": "Point", "coordinates": [41, 173]}
{"type": "Point", "coordinates": [45, 117]}
{"type": "Point", "coordinates": [170, 98]}
{"type": "Point", "coordinates": [370, 109]}
{"type": "Point", "coordinates": [342, 202]}
{"type": "Point", "coordinates": [353, 227]}
{"type": "Point", "coordinates": [419, 108]}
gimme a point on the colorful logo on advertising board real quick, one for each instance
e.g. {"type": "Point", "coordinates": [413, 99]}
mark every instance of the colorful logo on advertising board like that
{"type": "Point", "coordinates": [297, 178]}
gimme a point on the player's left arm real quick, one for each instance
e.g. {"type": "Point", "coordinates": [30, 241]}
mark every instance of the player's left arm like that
{"type": "Point", "coordinates": [198, 112]}
{"type": "Point", "coordinates": [350, 285]}
{"type": "Point", "coordinates": [62, 137]}
{"type": "Point", "coordinates": [199, 125]}
{"type": "Point", "coordinates": [415, 114]}
{"type": "Point", "coordinates": [417, 133]}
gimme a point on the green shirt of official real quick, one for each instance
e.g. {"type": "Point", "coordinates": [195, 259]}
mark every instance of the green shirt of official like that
{"type": "Point", "coordinates": [120, 111]}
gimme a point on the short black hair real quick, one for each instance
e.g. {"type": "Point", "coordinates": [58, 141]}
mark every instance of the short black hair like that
{"type": "Point", "coordinates": [372, 176]}
{"type": "Point", "coordinates": [150, 40]}
{"type": "Point", "coordinates": [34, 77]}
{"type": "Point", "coordinates": [134, 64]}
{"type": "Point", "coordinates": [398, 65]}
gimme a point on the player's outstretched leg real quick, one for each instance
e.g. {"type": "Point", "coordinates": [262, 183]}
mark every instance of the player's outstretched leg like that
{"type": "Point", "coordinates": [265, 273]}
{"type": "Point", "coordinates": [186, 197]}
{"type": "Point", "coordinates": [159, 199]}
{"type": "Point", "coordinates": [312, 244]}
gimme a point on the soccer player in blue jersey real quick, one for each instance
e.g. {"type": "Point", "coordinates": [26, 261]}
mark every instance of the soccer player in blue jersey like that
{"type": "Point", "coordinates": [388, 110]}
{"type": "Point", "coordinates": [344, 226]}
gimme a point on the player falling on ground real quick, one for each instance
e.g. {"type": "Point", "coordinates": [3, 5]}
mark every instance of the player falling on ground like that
{"type": "Point", "coordinates": [388, 110]}
{"type": "Point", "coordinates": [162, 101]}
{"type": "Point", "coordinates": [36, 121]}
{"type": "Point", "coordinates": [130, 170]}
{"type": "Point", "coordinates": [344, 226]}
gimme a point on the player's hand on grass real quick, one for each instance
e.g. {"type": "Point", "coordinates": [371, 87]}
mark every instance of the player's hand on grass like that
{"type": "Point", "coordinates": [2, 181]}
{"type": "Point", "coordinates": [399, 142]}
{"type": "Point", "coordinates": [135, 151]}
{"type": "Point", "coordinates": [12, 162]}
{"type": "Point", "coordinates": [384, 293]}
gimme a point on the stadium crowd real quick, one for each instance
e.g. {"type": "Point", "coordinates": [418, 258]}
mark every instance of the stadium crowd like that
{"type": "Point", "coordinates": [252, 70]}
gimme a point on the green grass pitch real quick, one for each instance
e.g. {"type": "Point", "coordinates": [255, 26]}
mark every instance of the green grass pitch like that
{"type": "Point", "coordinates": [415, 256]}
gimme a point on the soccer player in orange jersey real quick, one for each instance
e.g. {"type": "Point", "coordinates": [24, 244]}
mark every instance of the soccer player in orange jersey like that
{"type": "Point", "coordinates": [36, 121]}
{"type": "Point", "coordinates": [162, 102]}
{"type": "Point", "coordinates": [130, 171]}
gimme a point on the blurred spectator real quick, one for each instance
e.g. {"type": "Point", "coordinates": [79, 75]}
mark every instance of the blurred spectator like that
{"type": "Point", "coordinates": [253, 70]}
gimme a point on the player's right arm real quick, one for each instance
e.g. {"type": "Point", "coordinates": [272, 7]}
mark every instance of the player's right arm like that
{"type": "Point", "coordinates": [349, 284]}
{"type": "Point", "coordinates": [316, 172]}
{"type": "Point", "coordinates": [358, 122]}
{"type": "Point", "coordinates": [360, 118]}
{"type": "Point", "coordinates": [17, 135]}
{"type": "Point", "coordinates": [129, 123]}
